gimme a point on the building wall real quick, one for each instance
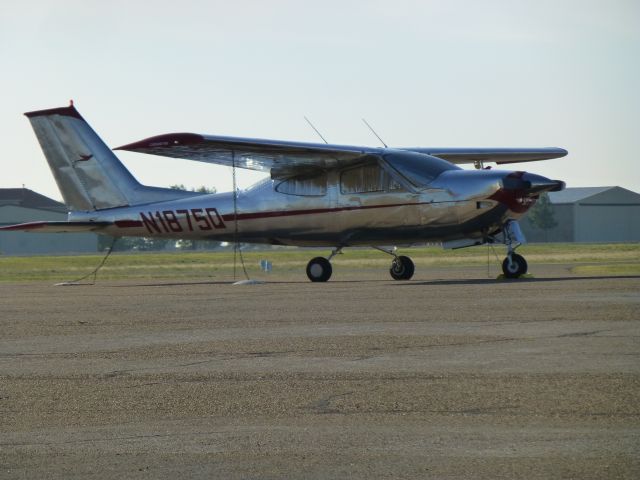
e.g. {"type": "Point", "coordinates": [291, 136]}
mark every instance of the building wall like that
{"type": "Point", "coordinates": [25, 243]}
{"type": "Point", "coordinates": [11, 214]}
{"type": "Point", "coordinates": [607, 223]}
{"type": "Point", "coordinates": [613, 215]}
{"type": "Point", "coordinates": [610, 216]}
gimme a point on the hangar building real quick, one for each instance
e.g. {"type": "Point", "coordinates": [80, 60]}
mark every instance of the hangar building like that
{"type": "Point", "coordinates": [21, 205]}
{"type": "Point", "coordinates": [590, 214]}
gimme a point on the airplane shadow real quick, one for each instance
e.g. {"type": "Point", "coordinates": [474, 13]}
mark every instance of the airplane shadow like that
{"type": "Point", "coordinates": [411, 283]}
{"type": "Point", "coordinates": [231, 282]}
{"type": "Point", "coordinates": [172, 284]}
{"type": "Point", "coordinates": [494, 281]}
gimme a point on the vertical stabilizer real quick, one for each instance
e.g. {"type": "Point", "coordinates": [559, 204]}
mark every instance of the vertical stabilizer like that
{"type": "Point", "coordinates": [88, 174]}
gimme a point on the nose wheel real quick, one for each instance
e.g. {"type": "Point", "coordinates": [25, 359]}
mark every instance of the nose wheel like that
{"type": "Point", "coordinates": [514, 266]}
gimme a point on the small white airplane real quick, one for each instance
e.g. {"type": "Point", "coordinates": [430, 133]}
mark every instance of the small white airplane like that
{"type": "Point", "coordinates": [317, 195]}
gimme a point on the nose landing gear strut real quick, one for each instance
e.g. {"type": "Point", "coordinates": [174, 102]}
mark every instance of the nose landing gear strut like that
{"type": "Point", "coordinates": [514, 265]}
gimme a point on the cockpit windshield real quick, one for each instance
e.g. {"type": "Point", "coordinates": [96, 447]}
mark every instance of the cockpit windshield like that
{"type": "Point", "coordinates": [418, 168]}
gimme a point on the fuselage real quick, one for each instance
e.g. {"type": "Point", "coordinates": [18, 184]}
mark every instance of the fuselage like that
{"type": "Point", "coordinates": [343, 209]}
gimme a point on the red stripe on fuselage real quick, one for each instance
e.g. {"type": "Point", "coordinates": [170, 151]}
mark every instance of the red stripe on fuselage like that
{"type": "Point", "coordinates": [128, 223]}
{"type": "Point", "coordinates": [25, 226]}
{"type": "Point", "coordinates": [288, 213]}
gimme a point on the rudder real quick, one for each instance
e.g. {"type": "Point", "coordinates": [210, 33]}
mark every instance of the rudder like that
{"type": "Point", "coordinates": [88, 174]}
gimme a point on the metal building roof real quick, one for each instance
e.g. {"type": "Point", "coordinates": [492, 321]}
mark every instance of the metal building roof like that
{"type": "Point", "coordinates": [576, 194]}
{"type": "Point", "coordinates": [24, 197]}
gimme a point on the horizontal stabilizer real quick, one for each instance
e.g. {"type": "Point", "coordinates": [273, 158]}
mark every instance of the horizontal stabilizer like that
{"type": "Point", "coordinates": [57, 227]}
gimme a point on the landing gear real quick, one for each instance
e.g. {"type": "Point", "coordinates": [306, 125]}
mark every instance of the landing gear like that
{"type": "Point", "coordinates": [319, 269]}
{"type": "Point", "coordinates": [402, 268]}
{"type": "Point", "coordinates": [514, 265]}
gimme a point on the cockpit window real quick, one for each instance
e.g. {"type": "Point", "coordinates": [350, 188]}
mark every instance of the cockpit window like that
{"type": "Point", "coordinates": [419, 169]}
{"type": "Point", "coordinates": [362, 179]}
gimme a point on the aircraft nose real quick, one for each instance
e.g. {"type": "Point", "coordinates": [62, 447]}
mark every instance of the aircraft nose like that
{"type": "Point", "coordinates": [520, 190]}
{"type": "Point", "coordinates": [530, 183]}
{"type": "Point", "coordinates": [542, 184]}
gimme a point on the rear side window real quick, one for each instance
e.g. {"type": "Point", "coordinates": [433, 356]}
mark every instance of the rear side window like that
{"type": "Point", "coordinates": [306, 187]}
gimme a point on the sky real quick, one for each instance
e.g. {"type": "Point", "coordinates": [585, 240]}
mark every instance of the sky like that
{"type": "Point", "coordinates": [454, 73]}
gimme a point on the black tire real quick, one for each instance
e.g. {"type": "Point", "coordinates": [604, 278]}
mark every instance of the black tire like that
{"type": "Point", "coordinates": [319, 269]}
{"type": "Point", "coordinates": [516, 268]}
{"type": "Point", "coordinates": [402, 268]}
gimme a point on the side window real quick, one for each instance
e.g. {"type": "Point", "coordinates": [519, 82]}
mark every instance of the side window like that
{"type": "Point", "coordinates": [395, 186]}
{"type": "Point", "coordinates": [363, 179]}
{"type": "Point", "coordinates": [312, 187]}
{"type": "Point", "coordinates": [367, 178]}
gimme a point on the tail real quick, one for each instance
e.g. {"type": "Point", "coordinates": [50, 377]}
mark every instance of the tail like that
{"type": "Point", "coordinates": [88, 174]}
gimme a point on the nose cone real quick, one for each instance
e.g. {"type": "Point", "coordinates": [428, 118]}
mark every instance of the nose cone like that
{"type": "Point", "coordinates": [542, 184]}
{"type": "Point", "coordinates": [521, 189]}
{"type": "Point", "coordinates": [530, 184]}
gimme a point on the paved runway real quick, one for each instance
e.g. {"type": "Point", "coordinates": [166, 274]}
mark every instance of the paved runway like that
{"type": "Point", "coordinates": [451, 375]}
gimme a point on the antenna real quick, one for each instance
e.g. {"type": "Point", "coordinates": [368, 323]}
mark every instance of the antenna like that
{"type": "Point", "coordinates": [374, 132]}
{"type": "Point", "coordinates": [315, 129]}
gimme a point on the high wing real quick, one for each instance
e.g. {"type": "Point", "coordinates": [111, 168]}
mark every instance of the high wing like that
{"type": "Point", "coordinates": [497, 155]}
{"type": "Point", "coordinates": [57, 227]}
{"type": "Point", "coordinates": [281, 158]}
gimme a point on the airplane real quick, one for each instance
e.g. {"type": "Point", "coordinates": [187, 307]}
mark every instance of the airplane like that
{"type": "Point", "coordinates": [317, 195]}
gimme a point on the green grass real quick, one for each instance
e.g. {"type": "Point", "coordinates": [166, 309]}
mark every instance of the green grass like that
{"type": "Point", "coordinates": [620, 259]}
{"type": "Point", "coordinates": [605, 269]}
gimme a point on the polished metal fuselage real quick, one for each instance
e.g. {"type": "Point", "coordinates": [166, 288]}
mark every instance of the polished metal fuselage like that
{"type": "Point", "coordinates": [457, 205]}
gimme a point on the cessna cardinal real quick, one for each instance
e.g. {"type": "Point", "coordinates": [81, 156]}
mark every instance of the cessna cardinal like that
{"type": "Point", "coordinates": [317, 194]}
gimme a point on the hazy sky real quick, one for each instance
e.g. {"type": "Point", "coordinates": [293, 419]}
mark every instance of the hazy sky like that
{"type": "Point", "coordinates": [423, 73]}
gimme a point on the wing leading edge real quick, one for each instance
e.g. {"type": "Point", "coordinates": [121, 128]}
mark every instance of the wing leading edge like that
{"type": "Point", "coordinates": [278, 157]}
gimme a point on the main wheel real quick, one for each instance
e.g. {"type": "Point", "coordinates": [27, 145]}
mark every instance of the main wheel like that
{"type": "Point", "coordinates": [402, 268]}
{"type": "Point", "coordinates": [515, 268]}
{"type": "Point", "coordinates": [319, 269]}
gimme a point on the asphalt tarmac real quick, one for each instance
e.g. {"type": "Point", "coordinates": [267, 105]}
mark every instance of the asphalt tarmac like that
{"type": "Point", "coordinates": [450, 375]}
